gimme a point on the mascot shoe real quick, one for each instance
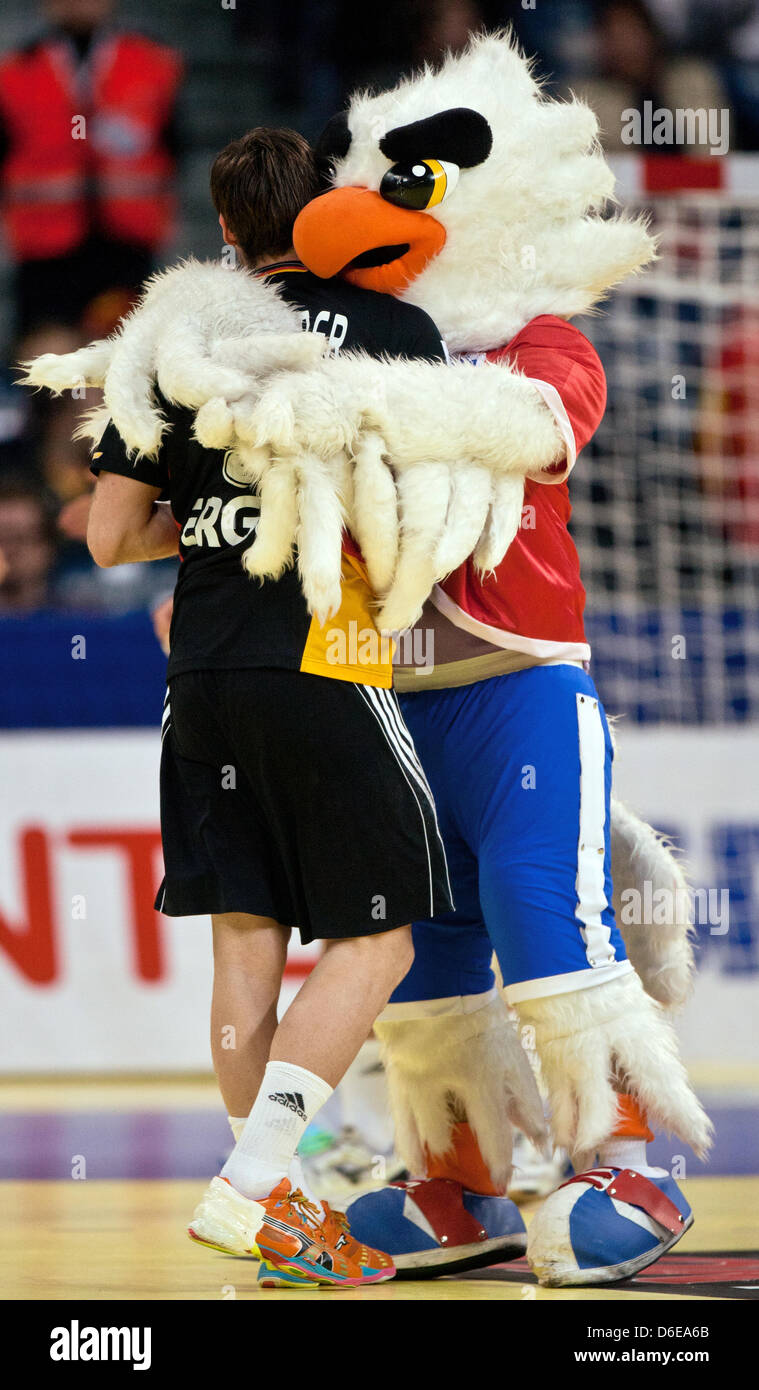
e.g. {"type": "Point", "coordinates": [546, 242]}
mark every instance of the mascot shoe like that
{"type": "Point", "coordinates": [435, 1226]}
{"type": "Point", "coordinates": [606, 1225]}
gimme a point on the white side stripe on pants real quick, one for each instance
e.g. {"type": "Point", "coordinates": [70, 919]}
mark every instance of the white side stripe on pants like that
{"type": "Point", "coordinates": [591, 893]}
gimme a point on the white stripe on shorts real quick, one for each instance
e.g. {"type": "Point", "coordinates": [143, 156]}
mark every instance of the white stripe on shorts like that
{"type": "Point", "coordinates": [591, 894]}
{"type": "Point", "coordinates": [386, 704]}
{"type": "Point", "coordinates": [411, 773]}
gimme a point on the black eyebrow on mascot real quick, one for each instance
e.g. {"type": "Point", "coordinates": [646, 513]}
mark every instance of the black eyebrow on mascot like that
{"type": "Point", "coordinates": [466, 192]}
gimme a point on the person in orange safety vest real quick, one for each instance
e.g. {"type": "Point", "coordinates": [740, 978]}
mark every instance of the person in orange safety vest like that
{"type": "Point", "coordinates": [87, 161]}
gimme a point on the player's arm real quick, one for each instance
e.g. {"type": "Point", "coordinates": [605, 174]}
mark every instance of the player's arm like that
{"type": "Point", "coordinates": [127, 523]}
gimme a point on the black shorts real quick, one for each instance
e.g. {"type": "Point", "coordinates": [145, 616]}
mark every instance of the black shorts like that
{"type": "Point", "coordinates": [296, 797]}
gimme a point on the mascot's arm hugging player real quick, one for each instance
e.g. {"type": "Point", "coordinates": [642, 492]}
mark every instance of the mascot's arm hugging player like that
{"type": "Point", "coordinates": [466, 193]}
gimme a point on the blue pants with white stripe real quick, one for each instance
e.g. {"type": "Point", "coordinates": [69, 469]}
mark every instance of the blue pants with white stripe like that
{"type": "Point", "coordinates": [520, 768]}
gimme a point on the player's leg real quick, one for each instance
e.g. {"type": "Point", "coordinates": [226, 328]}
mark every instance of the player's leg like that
{"type": "Point", "coordinates": [249, 960]}
{"type": "Point", "coordinates": [249, 956]}
{"type": "Point", "coordinates": [607, 1054]}
{"type": "Point", "coordinates": [311, 1048]}
{"type": "Point", "coordinates": [345, 840]}
{"type": "Point", "coordinates": [365, 969]}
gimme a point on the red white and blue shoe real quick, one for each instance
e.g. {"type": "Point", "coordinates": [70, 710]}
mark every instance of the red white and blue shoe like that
{"type": "Point", "coordinates": [606, 1225]}
{"type": "Point", "coordinates": [435, 1226]}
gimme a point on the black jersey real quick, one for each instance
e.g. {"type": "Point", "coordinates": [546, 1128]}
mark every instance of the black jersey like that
{"type": "Point", "coordinates": [222, 619]}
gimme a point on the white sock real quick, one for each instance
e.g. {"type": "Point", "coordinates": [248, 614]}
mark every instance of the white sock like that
{"type": "Point", "coordinates": [289, 1098]}
{"type": "Point", "coordinates": [297, 1172]}
{"type": "Point", "coordinates": [627, 1153]}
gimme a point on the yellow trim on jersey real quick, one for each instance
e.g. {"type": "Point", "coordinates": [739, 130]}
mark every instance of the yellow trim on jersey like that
{"type": "Point", "coordinates": [349, 646]}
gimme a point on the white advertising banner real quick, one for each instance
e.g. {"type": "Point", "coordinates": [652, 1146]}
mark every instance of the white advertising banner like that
{"type": "Point", "coordinates": [92, 979]}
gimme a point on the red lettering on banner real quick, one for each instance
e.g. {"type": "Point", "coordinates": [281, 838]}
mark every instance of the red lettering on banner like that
{"type": "Point", "coordinates": [140, 848]}
{"type": "Point", "coordinates": [32, 947]}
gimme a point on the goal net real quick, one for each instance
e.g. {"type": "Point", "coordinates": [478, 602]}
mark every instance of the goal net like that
{"type": "Point", "coordinates": [666, 500]}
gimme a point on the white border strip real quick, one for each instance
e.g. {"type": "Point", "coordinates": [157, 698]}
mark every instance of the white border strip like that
{"type": "Point", "coordinates": [739, 177]}
{"type": "Point", "coordinates": [565, 984]}
{"type": "Point", "coordinates": [555, 404]}
{"type": "Point", "coordinates": [571, 652]}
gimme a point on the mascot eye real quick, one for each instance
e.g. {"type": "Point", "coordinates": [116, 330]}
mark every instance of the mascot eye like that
{"type": "Point", "coordinates": [419, 185]}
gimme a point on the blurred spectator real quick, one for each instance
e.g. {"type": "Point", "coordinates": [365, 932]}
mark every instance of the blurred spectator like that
{"type": "Point", "coordinates": [634, 66]}
{"type": "Point", "coordinates": [320, 53]}
{"type": "Point", "coordinates": [87, 162]}
{"type": "Point", "coordinates": [46, 566]}
{"type": "Point", "coordinates": [16, 454]}
{"type": "Point", "coordinates": [87, 151]}
{"type": "Point", "coordinates": [375, 44]}
{"type": "Point", "coordinates": [446, 26]}
{"type": "Point", "coordinates": [27, 546]}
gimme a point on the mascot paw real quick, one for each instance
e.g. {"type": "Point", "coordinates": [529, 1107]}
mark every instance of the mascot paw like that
{"type": "Point", "coordinates": [434, 1226]}
{"type": "Point", "coordinates": [271, 422]}
{"type": "Point", "coordinates": [606, 1225]}
{"type": "Point", "coordinates": [401, 611]}
{"type": "Point", "coordinates": [146, 434]}
{"type": "Point", "coordinates": [214, 426]}
{"type": "Point", "coordinates": [300, 412]}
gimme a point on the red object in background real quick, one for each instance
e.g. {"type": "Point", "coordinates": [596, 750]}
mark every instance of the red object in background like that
{"type": "Point", "coordinates": [730, 428]}
{"type": "Point", "coordinates": [34, 945]}
{"type": "Point", "coordinates": [52, 173]}
{"type": "Point", "coordinates": [673, 174]}
{"type": "Point", "coordinates": [140, 848]}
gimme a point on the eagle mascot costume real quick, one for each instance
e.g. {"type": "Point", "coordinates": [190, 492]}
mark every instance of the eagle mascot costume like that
{"type": "Point", "coordinates": [467, 192]}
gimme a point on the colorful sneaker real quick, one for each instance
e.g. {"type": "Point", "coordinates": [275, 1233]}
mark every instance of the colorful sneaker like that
{"type": "Point", "coordinates": [605, 1225]}
{"type": "Point", "coordinates": [435, 1226]}
{"type": "Point", "coordinates": [226, 1220]}
{"type": "Point", "coordinates": [336, 1226]}
{"type": "Point", "coordinates": [298, 1251]}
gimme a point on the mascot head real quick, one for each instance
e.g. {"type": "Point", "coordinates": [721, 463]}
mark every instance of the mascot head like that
{"type": "Point", "coordinates": [464, 191]}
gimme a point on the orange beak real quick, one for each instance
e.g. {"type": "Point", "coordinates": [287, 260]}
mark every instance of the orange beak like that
{"type": "Point", "coordinates": [372, 243]}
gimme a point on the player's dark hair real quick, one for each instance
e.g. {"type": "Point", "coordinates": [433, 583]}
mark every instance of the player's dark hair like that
{"type": "Point", "coordinates": [259, 184]}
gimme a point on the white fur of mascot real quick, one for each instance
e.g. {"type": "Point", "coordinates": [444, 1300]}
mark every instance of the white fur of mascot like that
{"type": "Point", "coordinates": [465, 192]}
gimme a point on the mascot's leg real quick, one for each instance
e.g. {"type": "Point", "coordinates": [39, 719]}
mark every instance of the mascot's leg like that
{"type": "Point", "coordinates": [455, 1069]}
{"type": "Point", "coordinates": [455, 1072]}
{"type": "Point", "coordinates": [608, 1054]}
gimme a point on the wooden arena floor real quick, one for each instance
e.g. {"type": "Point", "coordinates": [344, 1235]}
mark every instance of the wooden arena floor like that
{"type": "Point", "coordinates": [123, 1237]}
